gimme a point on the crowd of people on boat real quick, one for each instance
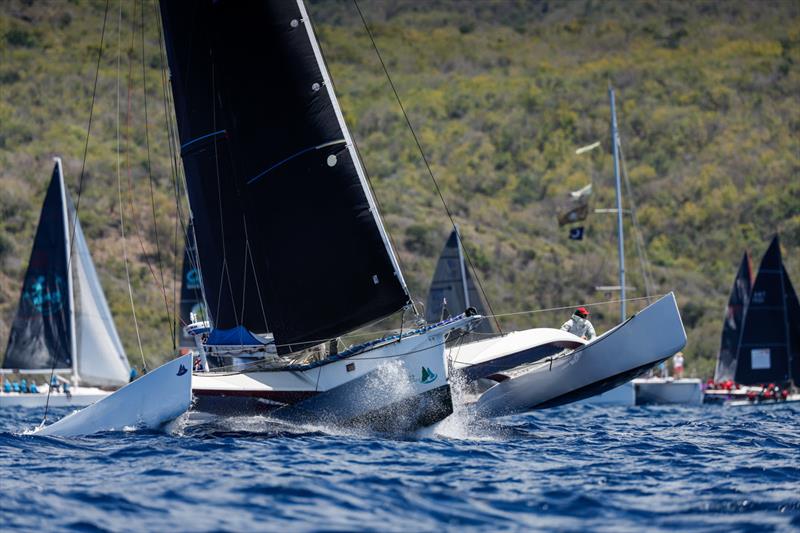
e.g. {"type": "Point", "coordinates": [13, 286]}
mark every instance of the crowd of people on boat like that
{"type": "Point", "coordinates": [24, 386]}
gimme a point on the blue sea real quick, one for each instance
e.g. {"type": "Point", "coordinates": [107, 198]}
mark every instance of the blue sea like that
{"type": "Point", "coordinates": [572, 468]}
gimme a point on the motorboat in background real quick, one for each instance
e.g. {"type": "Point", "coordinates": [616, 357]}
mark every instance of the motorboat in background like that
{"type": "Point", "coordinates": [63, 326]}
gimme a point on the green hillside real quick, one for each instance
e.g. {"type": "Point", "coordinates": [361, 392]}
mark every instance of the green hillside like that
{"type": "Point", "coordinates": [500, 94]}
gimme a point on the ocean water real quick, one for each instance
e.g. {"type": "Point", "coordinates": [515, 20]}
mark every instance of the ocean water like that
{"type": "Point", "coordinates": [571, 468]}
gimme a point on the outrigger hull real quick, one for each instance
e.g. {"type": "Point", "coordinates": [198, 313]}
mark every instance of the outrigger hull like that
{"type": "Point", "coordinates": [625, 352]}
{"type": "Point", "coordinates": [400, 384]}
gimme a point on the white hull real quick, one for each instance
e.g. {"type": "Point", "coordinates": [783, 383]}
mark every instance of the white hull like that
{"type": "Point", "coordinates": [147, 403]}
{"type": "Point", "coordinates": [656, 391]}
{"type": "Point", "coordinates": [354, 388]}
{"type": "Point", "coordinates": [619, 355]}
{"type": "Point", "coordinates": [78, 397]}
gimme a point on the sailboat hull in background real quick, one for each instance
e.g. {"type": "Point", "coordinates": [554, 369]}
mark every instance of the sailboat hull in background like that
{"type": "Point", "coordinates": [401, 384]}
{"type": "Point", "coordinates": [78, 397]}
{"type": "Point", "coordinates": [625, 352]}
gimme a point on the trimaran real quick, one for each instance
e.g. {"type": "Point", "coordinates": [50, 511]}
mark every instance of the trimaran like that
{"type": "Point", "coordinates": [293, 254]}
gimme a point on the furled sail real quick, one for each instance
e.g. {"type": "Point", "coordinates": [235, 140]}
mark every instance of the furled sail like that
{"type": "Point", "coordinates": [764, 348]}
{"type": "Point", "coordinates": [192, 306]}
{"type": "Point", "coordinates": [101, 358]}
{"type": "Point", "coordinates": [731, 327]}
{"type": "Point", "coordinates": [42, 332]}
{"type": "Point", "coordinates": [453, 288]}
{"type": "Point", "coordinates": [288, 235]}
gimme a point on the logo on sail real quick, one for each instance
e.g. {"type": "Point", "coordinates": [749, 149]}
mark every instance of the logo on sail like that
{"type": "Point", "coordinates": [192, 279]}
{"type": "Point", "coordinates": [181, 370]}
{"type": "Point", "coordinates": [428, 376]}
{"type": "Point", "coordinates": [44, 297]}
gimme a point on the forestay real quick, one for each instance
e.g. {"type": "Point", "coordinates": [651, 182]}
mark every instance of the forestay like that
{"type": "Point", "coordinates": [288, 235]}
{"type": "Point", "coordinates": [41, 334]}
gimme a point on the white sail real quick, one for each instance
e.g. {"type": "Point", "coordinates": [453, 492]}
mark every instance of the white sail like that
{"type": "Point", "coordinates": [101, 357]}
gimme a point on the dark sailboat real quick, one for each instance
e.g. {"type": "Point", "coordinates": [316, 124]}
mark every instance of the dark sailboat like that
{"type": "Point", "coordinates": [288, 235]}
{"type": "Point", "coordinates": [768, 343]}
{"type": "Point", "coordinates": [453, 288]}
{"type": "Point", "coordinates": [63, 324]}
{"type": "Point", "coordinates": [732, 325]}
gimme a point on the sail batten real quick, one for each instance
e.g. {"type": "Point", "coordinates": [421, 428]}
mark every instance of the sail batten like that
{"type": "Point", "coordinates": [288, 236]}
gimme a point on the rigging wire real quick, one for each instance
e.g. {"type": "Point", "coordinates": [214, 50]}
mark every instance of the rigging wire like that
{"type": "Point", "coordinates": [174, 164]}
{"type": "Point", "coordinates": [119, 193]}
{"type": "Point", "coordinates": [425, 160]}
{"type": "Point", "coordinates": [131, 189]}
{"type": "Point", "coordinates": [80, 183]}
{"type": "Point", "coordinates": [641, 250]}
{"type": "Point", "coordinates": [150, 179]}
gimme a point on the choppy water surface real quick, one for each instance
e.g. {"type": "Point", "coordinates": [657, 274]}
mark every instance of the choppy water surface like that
{"type": "Point", "coordinates": [569, 468]}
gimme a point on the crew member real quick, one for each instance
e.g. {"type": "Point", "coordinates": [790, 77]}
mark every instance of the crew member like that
{"type": "Point", "coordinates": [677, 365]}
{"type": "Point", "coordinates": [579, 324]}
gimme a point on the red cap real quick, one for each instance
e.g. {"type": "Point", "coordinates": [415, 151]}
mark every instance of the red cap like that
{"type": "Point", "coordinates": [581, 311]}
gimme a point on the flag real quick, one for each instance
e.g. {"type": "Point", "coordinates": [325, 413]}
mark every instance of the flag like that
{"type": "Point", "coordinates": [574, 214]}
{"type": "Point", "coordinates": [576, 234]}
{"type": "Point", "coordinates": [581, 193]}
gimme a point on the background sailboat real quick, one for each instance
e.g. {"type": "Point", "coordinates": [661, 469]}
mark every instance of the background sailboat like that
{"type": "Point", "coordinates": [453, 289]}
{"type": "Point", "coordinates": [759, 358]}
{"type": "Point", "coordinates": [63, 324]}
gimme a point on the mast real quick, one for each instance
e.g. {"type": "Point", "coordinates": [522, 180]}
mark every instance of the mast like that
{"type": "Point", "coordinates": [70, 282]}
{"type": "Point", "coordinates": [620, 230]}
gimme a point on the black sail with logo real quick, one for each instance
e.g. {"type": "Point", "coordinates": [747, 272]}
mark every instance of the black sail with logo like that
{"type": "Point", "coordinates": [287, 235]}
{"type": "Point", "coordinates": [41, 334]}
{"type": "Point", "coordinates": [192, 306]}
{"type": "Point", "coordinates": [764, 348]}
{"type": "Point", "coordinates": [732, 326]}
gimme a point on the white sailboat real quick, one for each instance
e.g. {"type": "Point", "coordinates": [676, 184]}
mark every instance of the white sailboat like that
{"type": "Point", "coordinates": [63, 326]}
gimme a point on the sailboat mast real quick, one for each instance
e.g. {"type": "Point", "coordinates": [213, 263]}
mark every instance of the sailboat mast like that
{"type": "Point", "coordinates": [70, 284]}
{"type": "Point", "coordinates": [620, 231]}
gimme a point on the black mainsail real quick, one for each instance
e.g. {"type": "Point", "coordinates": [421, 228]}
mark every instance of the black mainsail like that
{"type": "Point", "coordinates": [453, 288]}
{"type": "Point", "coordinates": [288, 235]}
{"type": "Point", "coordinates": [732, 325]}
{"type": "Point", "coordinates": [192, 304]}
{"type": "Point", "coordinates": [765, 346]}
{"type": "Point", "coordinates": [42, 333]}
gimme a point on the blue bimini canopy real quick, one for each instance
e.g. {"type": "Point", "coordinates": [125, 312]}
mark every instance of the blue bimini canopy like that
{"type": "Point", "coordinates": [233, 336]}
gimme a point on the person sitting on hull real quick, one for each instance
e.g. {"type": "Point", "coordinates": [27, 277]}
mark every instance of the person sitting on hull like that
{"type": "Point", "coordinates": [579, 324]}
